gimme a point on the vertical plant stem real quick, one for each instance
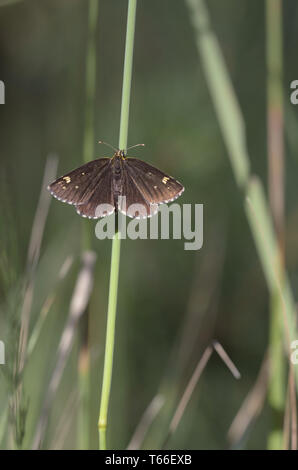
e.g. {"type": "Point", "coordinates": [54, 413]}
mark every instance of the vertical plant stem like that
{"type": "Point", "coordinates": [110, 341]}
{"type": "Point", "coordinates": [90, 86]}
{"type": "Point", "coordinates": [88, 152]}
{"type": "Point", "coordinates": [127, 73]}
{"type": "Point", "coordinates": [90, 82]}
{"type": "Point", "coordinates": [275, 124]}
{"type": "Point", "coordinates": [115, 259]}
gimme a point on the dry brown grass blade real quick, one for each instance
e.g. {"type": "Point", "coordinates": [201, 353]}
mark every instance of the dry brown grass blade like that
{"type": "Point", "coordinates": [79, 302]}
{"type": "Point", "coordinates": [146, 420]}
{"type": "Point", "coordinates": [287, 420]}
{"type": "Point", "coordinates": [252, 405]}
{"type": "Point", "coordinates": [290, 425]}
{"type": "Point", "coordinates": [41, 213]}
{"type": "Point", "coordinates": [214, 346]}
{"type": "Point", "coordinates": [65, 422]}
{"type": "Point", "coordinates": [293, 405]}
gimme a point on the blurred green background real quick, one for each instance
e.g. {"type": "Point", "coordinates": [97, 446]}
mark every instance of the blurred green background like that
{"type": "Point", "coordinates": [172, 302]}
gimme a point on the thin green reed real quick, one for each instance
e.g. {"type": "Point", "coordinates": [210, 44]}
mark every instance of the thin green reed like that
{"type": "Point", "coordinates": [251, 189]}
{"type": "Point", "coordinates": [90, 88]}
{"type": "Point", "coordinates": [90, 82]}
{"type": "Point", "coordinates": [275, 149]}
{"type": "Point", "coordinates": [115, 258]}
{"type": "Point", "coordinates": [88, 154]}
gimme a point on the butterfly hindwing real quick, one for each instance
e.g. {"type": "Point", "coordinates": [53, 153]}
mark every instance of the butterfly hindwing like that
{"type": "Point", "coordinates": [155, 186]}
{"type": "Point", "coordinates": [101, 202]}
{"type": "Point", "coordinates": [77, 186]}
{"type": "Point", "coordinates": [135, 204]}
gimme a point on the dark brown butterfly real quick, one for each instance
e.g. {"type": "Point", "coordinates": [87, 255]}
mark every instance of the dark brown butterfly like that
{"type": "Point", "coordinates": [119, 183]}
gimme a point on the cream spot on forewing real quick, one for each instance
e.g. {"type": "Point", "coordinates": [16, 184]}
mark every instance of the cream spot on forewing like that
{"type": "Point", "coordinates": [67, 179]}
{"type": "Point", "coordinates": [83, 173]}
{"type": "Point", "coordinates": [155, 187]}
{"type": "Point", "coordinates": [63, 187]}
{"type": "Point", "coordinates": [165, 179]}
{"type": "Point", "coordinates": [76, 187]}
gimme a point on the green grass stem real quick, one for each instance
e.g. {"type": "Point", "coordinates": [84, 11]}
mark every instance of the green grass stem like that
{"type": "Point", "coordinates": [275, 139]}
{"type": "Point", "coordinates": [90, 88]}
{"type": "Point", "coordinates": [88, 154]}
{"type": "Point", "coordinates": [115, 258]}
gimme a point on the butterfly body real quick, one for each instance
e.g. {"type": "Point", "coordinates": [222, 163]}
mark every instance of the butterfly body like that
{"type": "Point", "coordinates": [119, 183]}
{"type": "Point", "coordinates": [117, 180]}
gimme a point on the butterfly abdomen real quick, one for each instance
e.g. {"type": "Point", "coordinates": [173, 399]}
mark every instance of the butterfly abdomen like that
{"type": "Point", "coordinates": [117, 181]}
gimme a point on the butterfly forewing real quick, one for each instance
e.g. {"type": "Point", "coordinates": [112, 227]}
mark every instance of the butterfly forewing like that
{"type": "Point", "coordinates": [78, 186]}
{"type": "Point", "coordinates": [155, 186]}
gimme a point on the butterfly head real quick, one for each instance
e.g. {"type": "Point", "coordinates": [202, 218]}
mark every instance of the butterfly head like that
{"type": "Point", "coordinates": [120, 154]}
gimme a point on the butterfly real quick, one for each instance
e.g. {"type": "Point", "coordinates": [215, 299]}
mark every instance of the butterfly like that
{"type": "Point", "coordinates": [117, 183]}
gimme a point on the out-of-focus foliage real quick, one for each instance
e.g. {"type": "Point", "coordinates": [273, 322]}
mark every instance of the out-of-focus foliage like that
{"type": "Point", "coordinates": [172, 302]}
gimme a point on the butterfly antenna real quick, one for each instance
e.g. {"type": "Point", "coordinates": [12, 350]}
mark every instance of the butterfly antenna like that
{"type": "Point", "coordinates": [108, 145]}
{"type": "Point", "coordinates": [137, 145]}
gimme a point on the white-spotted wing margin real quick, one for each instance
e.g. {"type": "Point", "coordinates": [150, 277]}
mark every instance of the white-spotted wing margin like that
{"type": "Point", "coordinates": [77, 206]}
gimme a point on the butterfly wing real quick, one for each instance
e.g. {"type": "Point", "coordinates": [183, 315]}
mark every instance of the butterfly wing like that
{"type": "Point", "coordinates": [135, 204]}
{"type": "Point", "coordinates": [91, 188]}
{"type": "Point", "coordinates": [155, 186]}
{"type": "Point", "coordinates": [101, 202]}
{"type": "Point", "coordinates": [78, 186]}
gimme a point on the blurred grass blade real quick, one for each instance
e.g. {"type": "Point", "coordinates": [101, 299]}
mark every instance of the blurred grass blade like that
{"type": "Point", "coordinates": [227, 112]}
{"type": "Point", "coordinates": [47, 306]}
{"type": "Point", "coordinates": [215, 346]}
{"type": "Point", "coordinates": [257, 211]}
{"type": "Point", "coordinates": [275, 151]}
{"type": "Point", "coordinates": [232, 127]}
{"type": "Point", "coordinates": [79, 302]}
{"type": "Point", "coordinates": [90, 80]}
{"type": "Point", "coordinates": [41, 214]}
{"type": "Point", "coordinates": [33, 254]}
{"type": "Point", "coordinates": [18, 401]}
{"type": "Point", "coordinates": [86, 242]}
{"type": "Point", "coordinates": [65, 422]}
{"type": "Point", "coordinates": [224, 99]}
{"type": "Point", "coordinates": [83, 432]}
{"type": "Point", "coordinates": [226, 359]}
{"type": "Point", "coordinates": [3, 426]}
{"type": "Point", "coordinates": [90, 90]}
{"type": "Point", "coordinates": [251, 406]}
{"type": "Point", "coordinates": [275, 116]}
{"type": "Point", "coordinates": [148, 417]}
